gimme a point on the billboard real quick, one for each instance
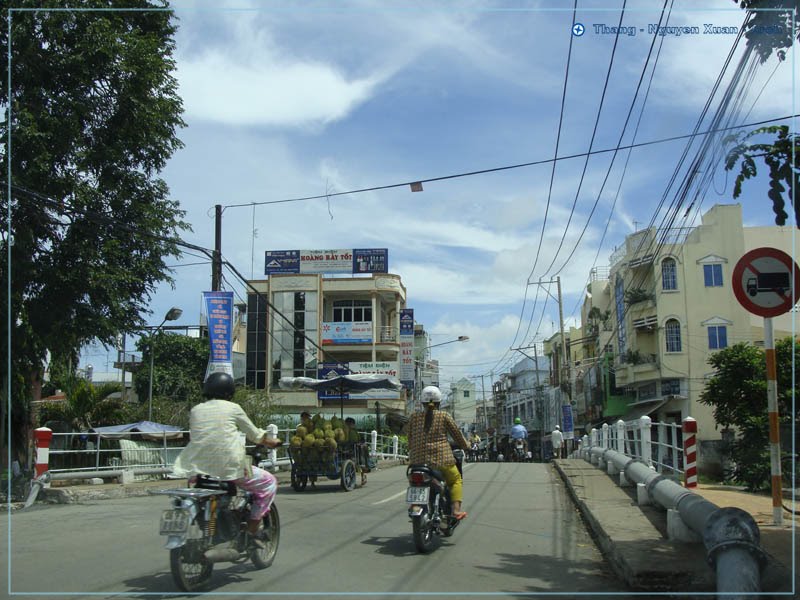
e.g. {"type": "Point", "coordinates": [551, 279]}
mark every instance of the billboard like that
{"type": "Point", "coordinates": [328, 370]}
{"type": "Point", "coordinates": [352, 261]}
{"type": "Point", "coordinates": [356, 332]}
{"type": "Point", "coordinates": [407, 371]}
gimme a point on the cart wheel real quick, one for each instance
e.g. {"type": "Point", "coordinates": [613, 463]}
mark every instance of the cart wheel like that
{"type": "Point", "coordinates": [348, 475]}
{"type": "Point", "coordinates": [299, 482]}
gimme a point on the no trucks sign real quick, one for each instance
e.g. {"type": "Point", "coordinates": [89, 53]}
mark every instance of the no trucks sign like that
{"type": "Point", "coordinates": [766, 282]}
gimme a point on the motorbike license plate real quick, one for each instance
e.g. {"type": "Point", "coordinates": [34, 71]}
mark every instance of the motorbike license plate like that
{"type": "Point", "coordinates": [417, 495]}
{"type": "Point", "coordinates": [174, 521]}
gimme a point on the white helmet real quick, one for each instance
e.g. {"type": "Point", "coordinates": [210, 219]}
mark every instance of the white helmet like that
{"type": "Point", "coordinates": [557, 427]}
{"type": "Point", "coordinates": [431, 393]}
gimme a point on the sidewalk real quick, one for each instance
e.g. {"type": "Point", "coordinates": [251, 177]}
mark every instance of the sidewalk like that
{"type": "Point", "coordinates": [634, 540]}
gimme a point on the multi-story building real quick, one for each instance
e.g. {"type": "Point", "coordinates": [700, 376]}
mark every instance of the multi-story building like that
{"type": "Point", "coordinates": [320, 324]}
{"type": "Point", "coordinates": [462, 403]}
{"type": "Point", "coordinates": [673, 306]}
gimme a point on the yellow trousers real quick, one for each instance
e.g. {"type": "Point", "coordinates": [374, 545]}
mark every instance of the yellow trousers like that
{"type": "Point", "coordinates": [454, 482]}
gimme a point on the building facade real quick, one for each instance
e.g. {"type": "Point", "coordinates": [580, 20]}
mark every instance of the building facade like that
{"type": "Point", "coordinates": [672, 306]}
{"type": "Point", "coordinates": [317, 325]}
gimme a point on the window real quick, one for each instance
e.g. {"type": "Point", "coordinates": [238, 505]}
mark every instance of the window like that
{"type": "Point", "coordinates": [352, 311]}
{"type": "Point", "coordinates": [670, 387]}
{"type": "Point", "coordinates": [717, 337]}
{"type": "Point", "coordinates": [673, 335]}
{"type": "Point", "coordinates": [466, 393]}
{"type": "Point", "coordinates": [256, 360]}
{"type": "Point", "coordinates": [669, 276]}
{"type": "Point", "coordinates": [292, 354]}
{"type": "Point", "coordinates": [712, 274]}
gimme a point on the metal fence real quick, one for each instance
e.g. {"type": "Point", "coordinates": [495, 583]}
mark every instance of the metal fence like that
{"type": "Point", "coordinates": [85, 455]}
{"type": "Point", "coordinates": [659, 445]}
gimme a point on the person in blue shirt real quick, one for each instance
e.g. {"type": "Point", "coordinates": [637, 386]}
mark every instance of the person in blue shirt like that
{"type": "Point", "coordinates": [518, 432]}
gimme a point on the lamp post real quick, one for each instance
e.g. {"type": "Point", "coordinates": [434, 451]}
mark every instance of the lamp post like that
{"type": "Point", "coordinates": [461, 338]}
{"type": "Point", "coordinates": [173, 314]}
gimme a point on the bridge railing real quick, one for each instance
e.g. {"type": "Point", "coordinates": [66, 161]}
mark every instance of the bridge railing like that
{"type": "Point", "coordinates": [659, 445]}
{"type": "Point", "coordinates": [80, 455]}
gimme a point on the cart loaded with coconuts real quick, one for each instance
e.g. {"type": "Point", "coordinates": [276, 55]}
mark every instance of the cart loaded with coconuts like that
{"type": "Point", "coordinates": [319, 446]}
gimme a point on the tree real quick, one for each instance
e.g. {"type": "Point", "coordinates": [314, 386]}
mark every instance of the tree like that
{"type": "Point", "coordinates": [94, 110]}
{"type": "Point", "coordinates": [179, 367]}
{"type": "Point", "coordinates": [738, 393]}
{"type": "Point", "coordinates": [769, 30]}
{"type": "Point", "coordinates": [784, 175]}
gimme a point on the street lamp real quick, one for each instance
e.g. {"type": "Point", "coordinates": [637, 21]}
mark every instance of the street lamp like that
{"type": "Point", "coordinates": [418, 368]}
{"type": "Point", "coordinates": [173, 314]}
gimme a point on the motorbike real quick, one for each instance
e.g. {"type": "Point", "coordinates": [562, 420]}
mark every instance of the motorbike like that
{"type": "Point", "coordinates": [207, 524]}
{"type": "Point", "coordinates": [518, 453]}
{"type": "Point", "coordinates": [429, 503]}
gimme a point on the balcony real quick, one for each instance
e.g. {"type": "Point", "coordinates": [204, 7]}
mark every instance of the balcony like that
{"type": "Point", "coordinates": [387, 334]}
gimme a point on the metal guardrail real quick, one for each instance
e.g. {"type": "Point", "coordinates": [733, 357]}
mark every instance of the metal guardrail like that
{"type": "Point", "coordinates": [635, 439]}
{"type": "Point", "coordinates": [94, 456]}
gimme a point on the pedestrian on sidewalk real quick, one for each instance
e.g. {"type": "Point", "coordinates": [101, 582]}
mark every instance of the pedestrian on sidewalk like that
{"type": "Point", "coordinates": [557, 439]}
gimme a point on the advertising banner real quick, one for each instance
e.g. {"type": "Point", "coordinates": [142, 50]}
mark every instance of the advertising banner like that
{"type": "Point", "coordinates": [358, 332]}
{"type": "Point", "coordinates": [359, 260]}
{"type": "Point", "coordinates": [328, 370]}
{"type": "Point", "coordinates": [567, 427]}
{"type": "Point", "coordinates": [219, 315]}
{"type": "Point", "coordinates": [406, 374]}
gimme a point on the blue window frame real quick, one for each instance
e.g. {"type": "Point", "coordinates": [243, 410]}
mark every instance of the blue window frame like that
{"type": "Point", "coordinates": [717, 337]}
{"type": "Point", "coordinates": [712, 274]}
{"type": "Point", "coordinates": [669, 276]}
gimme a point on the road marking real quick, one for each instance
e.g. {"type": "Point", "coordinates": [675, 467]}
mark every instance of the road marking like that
{"type": "Point", "coordinates": [397, 495]}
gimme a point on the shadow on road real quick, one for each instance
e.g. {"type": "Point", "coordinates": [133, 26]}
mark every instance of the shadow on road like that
{"type": "Point", "coordinates": [399, 546]}
{"type": "Point", "coordinates": [162, 583]}
{"type": "Point", "coordinates": [557, 573]}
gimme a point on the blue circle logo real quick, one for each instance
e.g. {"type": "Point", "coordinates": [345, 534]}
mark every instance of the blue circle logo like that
{"type": "Point", "coordinates": [578, 29]}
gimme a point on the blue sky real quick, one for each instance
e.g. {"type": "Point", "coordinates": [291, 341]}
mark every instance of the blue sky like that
{"type": "Point", "coordinates": [284, 102]}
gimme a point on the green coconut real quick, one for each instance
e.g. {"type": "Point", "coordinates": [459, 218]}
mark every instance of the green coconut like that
{"type": "Point", "coordinates": [302, 431]}
{"type": "Point", "coordinates": [308, 441]}
{"type": "Point", "coordinates": [296, 441]}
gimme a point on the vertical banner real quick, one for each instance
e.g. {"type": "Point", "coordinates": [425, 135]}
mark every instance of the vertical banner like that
{"type": "Point", "coordinates": [567, 428]}
{"type": "Point", "coordinates": [406, 374]}
{"type": "Point", "coordinates": [219, 313]}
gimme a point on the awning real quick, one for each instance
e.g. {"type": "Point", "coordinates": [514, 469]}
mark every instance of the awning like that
{"type": "Point", "coordinates": [148, 429]}
{"type": "Point", "coordinates": [645, 407]}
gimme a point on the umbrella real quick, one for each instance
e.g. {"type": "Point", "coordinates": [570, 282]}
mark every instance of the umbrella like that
{"type": "Point", "coordinates": [360, 382]}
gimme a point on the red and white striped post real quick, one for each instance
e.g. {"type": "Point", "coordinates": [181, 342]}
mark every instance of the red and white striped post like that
{"type": "Point", "coordinates": [41, 440]}
{"type": "Point", "coordinates": [774, 422]}
{"type": "Point", "coordinates": [689, 427]}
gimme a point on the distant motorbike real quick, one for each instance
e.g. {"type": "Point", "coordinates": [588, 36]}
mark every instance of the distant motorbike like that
{"type": "Point", "coordinates": [207, 524]}
{"type": "Point", "coordinates": [430, 509]}
{"type": "Point", "coordinates": [518, 453]}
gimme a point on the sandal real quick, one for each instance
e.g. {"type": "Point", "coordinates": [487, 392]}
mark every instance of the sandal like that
{"type": "Point", "coordinates": [363, 481]}
{"type": "Point", "coordinates": [459, 516]}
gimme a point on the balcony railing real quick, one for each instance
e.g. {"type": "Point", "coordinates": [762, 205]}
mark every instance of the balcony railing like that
{"type": "Point", "coordinates": [387, 333]}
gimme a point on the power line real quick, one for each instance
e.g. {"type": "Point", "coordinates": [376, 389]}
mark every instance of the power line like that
{"type": "Point", "coordinates": [517, 166]}
{"type": "Point", "coordinates": [594, 133]}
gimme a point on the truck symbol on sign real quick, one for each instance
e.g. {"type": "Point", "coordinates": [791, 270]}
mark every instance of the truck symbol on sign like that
{"type": "Point", "coordinates": [768, 282]}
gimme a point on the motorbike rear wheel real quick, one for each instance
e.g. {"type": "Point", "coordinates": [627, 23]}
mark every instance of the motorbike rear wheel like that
{"type": "Point", "coordinates": [271, 536]}
{"type": "Point", "coordinates": [190, 570]}
{"type": "Point", "coordinates": [423, 533]}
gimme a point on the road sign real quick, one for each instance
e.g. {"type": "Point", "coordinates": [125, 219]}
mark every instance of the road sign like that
{"type": "Point", "coordinates": [763, 281]}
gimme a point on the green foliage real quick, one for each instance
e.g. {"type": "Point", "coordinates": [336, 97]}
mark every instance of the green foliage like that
{"type": "Point", "coordinates": [784, 175]}
{"type": "Point", "coordinates": [634, 295]}
{"type": "Point", "coordinates": [93, 109]}
{"type": "Point", "coordinates": [87, 406]}
{"type": "Point", "coordinates": [738, 393]}
{"type": "Point", "coordinates": [260, 408]}
{"type": "Point", "coordinates": [179, 367]}
{"type": "Point", "coordinates": [769, 30]}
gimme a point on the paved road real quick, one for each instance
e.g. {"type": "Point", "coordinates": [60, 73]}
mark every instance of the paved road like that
{"type": "Point", "coordinates": [522, 536]}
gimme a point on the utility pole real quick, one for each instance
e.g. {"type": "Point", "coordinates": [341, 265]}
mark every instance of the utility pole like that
{"type": "Point", "coordinates": [565, 369]}
{"type": "Point", "coordinates": [483, 396]}
{"type": "Point", "coordinates": [216, 263]}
